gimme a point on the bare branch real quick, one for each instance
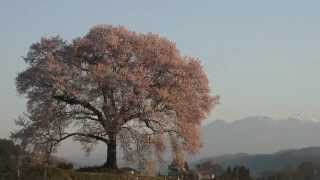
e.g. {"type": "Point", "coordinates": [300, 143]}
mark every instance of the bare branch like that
{"type": "Point", "coordinates": [75, 101]}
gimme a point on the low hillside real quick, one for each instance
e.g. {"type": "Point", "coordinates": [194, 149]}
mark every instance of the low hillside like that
{"type": "Point", "coordinates": [266, 163]}
{"type": "Point", "coordinates": [59, 174]}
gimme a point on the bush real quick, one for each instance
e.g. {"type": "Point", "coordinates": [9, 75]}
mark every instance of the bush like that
{"type": "Point", "coordinates": [65, 165]}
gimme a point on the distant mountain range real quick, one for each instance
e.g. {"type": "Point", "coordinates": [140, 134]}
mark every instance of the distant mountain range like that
{"type": "Point", "coordinates": [256, 135]}
{"type": "Point", "coordinates": [261, 164]}
{"type": "Point", "coordinates": [260, 143]}
{"type": "Point", "coordinates": [251, 135]}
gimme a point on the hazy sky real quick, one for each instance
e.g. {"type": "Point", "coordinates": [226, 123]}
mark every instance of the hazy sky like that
{"type": "Point", "coordinates": [262, 57]}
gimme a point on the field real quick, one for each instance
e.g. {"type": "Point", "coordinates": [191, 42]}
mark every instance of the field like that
{"type": "Point", "coordinates": [59, 174]}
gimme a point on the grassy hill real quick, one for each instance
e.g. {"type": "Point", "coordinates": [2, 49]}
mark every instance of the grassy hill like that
{"type": "Point", "coordinates": [9, 169]}
{"type": "Point", "coordinates": [59, 174]}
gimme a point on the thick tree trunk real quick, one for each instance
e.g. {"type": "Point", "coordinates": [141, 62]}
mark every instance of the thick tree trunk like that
{"type": "Point", "coordinates": [112, 153]}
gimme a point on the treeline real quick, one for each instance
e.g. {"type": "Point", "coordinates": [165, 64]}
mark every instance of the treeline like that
{"type": "Point", "coordinates": [305, 171]}
{"type": "Point", "coordinates": [19, 164]}
{"type": "Point", "coordinates": [9, 154]}
{"type": "Point", "coordinates": [209, 170]}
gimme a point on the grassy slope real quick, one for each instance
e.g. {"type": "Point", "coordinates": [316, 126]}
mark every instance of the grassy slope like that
{"type": "Point", "coordinates": [58, 174]}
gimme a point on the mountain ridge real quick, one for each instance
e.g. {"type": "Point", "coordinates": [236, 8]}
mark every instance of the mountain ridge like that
{"type": "Point", "coordinates": [247, 136]}
{"type": "Point", "coordinates": [258, 135]}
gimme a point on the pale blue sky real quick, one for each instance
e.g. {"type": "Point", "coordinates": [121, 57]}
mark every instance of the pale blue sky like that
{"type": "Point", "coordinates": [262, 57]}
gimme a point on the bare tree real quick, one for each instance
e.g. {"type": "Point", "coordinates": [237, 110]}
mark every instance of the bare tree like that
{"type": "Point", "coordinates": [113, 85]}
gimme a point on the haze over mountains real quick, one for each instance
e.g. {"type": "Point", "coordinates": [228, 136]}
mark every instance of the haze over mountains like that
{"type": "Point", "coordinates": [261, 143]}
{"type": "Point", "coordinates": [251, 135]}
{"type": "Point", "coordinates": [259, 134]}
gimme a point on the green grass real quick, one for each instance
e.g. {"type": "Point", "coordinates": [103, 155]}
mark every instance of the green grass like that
{"type": "Point", "coordinates": [59, 174]}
